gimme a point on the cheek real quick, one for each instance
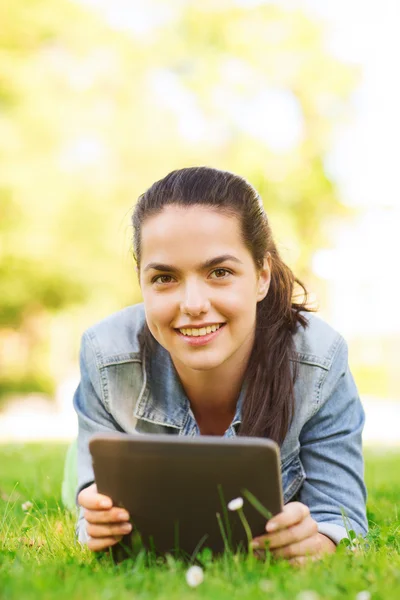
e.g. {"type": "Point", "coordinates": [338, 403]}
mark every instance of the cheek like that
{"type": "Point", "coordinates": [238, 303]}
{"type": "Point", "coordinates": [158, 310]}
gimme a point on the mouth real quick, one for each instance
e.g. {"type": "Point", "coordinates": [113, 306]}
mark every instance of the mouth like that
{"type": "Point", "coordinates": [193, 337]}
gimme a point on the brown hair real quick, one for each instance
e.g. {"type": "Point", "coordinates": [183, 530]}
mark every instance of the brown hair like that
{"type": "Point", "coordinates": [269, 403]}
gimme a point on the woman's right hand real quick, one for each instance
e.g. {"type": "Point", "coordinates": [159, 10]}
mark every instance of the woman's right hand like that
{"type": "Point", "coordinates": [105, 524]}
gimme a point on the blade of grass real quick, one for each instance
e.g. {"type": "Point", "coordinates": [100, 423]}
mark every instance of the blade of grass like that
{"type": "Point", "coordinates": [223, 534]}
{"type": "Point", "coordinates": [257, 504]}
{"type": "Point", "coordinates": [225, 514]}
{"type": "Point", "coordinates": [198, 546]}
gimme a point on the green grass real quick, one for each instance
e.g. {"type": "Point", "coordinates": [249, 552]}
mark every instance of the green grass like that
{"type": "Point", "coordinates": [39, 557]}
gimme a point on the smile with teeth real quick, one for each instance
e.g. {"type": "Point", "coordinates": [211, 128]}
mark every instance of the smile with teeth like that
{"type": "Point", "coordinates": [201, 331]}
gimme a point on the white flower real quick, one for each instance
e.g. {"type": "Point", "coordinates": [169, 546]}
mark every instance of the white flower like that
{"type": "Point", "coordinates": [364, 595]}
{"type": "Point", "coordinates": [235, 504]}
{"type": "Point", "coordinates": [307, 595]}
{"type": "Point", "coordinates": [27, 505]}
{"type": "Point", "coordinates": [194, 576]}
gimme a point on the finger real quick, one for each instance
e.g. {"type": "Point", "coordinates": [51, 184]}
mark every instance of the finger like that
{"type": "Point", "coordinates": [114, 515]}
{"type": "Point", "coordinates": [302, 560]}
{"type": "Point", "coordinates": [298, 561]}
{"type": "Point", "coordinates": [102, 544]}
{"type": "Point", "coordinates": [292, 513]}
{"type": "Point", "coordinates": [283, 537]}
{"type": "Point", "coordinates": [259, 554]}
{"type": "Point", "coordinates": [101, 531]}
{"type": "Point", "coordinates": [260, 543]}
{"type": "Point", "coordinates": [93, 501]}
{"type": "Point", "coordinates": [293, 533]}
{"type": "Point", "coordinates": [308, 547]}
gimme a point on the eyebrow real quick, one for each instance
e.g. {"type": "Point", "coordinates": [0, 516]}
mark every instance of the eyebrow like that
{"type": "Point", "coordinates": [206, 265]}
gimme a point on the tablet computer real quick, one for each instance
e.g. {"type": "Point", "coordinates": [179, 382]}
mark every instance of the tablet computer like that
{"type": "Point", "coordinates": [176, 489]}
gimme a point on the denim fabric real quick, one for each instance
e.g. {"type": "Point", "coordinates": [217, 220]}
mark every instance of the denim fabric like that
{"type": "Point", "coordinates": [321, 456]}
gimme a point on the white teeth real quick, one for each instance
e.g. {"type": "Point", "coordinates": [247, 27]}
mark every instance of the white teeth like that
{"type": "Point", "coordinates": [201, 331]}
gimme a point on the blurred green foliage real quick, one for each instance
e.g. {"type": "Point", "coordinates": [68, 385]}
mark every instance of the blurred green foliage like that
{"type": "Point", "coordinates": [91, 115]}
{"type": "Point", "coordinates": [26, 383]}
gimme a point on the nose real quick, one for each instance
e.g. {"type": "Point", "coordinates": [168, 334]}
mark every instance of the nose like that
{"type": "Point", "coordinates": [195, 300]}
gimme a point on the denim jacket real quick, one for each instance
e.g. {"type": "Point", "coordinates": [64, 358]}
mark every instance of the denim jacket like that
{"type": "Point", "coordinates": [321, 456]}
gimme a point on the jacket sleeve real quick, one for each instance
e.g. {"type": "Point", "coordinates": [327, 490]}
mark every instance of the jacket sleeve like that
{"type": "Point", "coordinates": [93, 417]}
{"type": "Point", "coordinates": [331, 453]}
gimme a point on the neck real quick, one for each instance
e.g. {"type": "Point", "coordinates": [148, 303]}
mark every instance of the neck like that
{"type": "Point", "coordinates": [213, 402]}
{"type": "Point", "coordinates": [214, 392]}
{"type": "Point", "coordinates": [211, 395]}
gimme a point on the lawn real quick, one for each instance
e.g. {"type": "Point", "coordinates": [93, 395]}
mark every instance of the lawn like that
{"type": "Point", "coordinates": [40, 559]}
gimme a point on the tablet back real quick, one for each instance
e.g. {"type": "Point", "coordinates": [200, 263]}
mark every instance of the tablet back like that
{"type": "Point", "coordinates": [174, 487]}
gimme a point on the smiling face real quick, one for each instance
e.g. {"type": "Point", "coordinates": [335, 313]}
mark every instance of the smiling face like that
{"type": "Point", "coordinates": [195, 271]}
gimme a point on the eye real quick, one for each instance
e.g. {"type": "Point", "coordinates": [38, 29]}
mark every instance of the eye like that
{"type": "Point", "coordinates": [155, 279]}
{"type": "Point", "coordinates": [223, 271]}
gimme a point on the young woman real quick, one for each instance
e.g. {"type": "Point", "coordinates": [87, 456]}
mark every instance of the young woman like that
{"type": "Point", "coordinates": [219, 346]}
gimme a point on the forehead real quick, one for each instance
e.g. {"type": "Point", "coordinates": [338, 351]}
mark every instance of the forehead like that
{"type": "Point", "coordinates": [197, 230]}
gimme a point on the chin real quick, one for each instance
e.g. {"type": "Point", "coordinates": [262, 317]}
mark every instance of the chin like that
{"type": "Point", "coordinates": [203, 367]}
{"type": "Point", "coordinates": [201, 364]}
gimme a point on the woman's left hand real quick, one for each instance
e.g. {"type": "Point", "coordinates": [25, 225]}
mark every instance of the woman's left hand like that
{"type": "Point", "coordinates": [293, 534]}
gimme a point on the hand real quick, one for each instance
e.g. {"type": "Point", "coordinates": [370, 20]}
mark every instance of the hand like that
{"type": "Point", "coordinates": [106, 525]}
{"type": "Point", "coordinates": [293, 534]}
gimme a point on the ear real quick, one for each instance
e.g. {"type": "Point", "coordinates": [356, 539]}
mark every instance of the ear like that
{"type": "Point", "coordinates": [264, 278]}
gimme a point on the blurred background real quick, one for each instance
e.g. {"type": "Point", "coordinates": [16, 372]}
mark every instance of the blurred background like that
{"type": "Point", "coordinates": [99, 99]}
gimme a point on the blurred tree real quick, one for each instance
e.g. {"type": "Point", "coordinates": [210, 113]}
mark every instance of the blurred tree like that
{"type": "Point", "coordinates": [94, 108]}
